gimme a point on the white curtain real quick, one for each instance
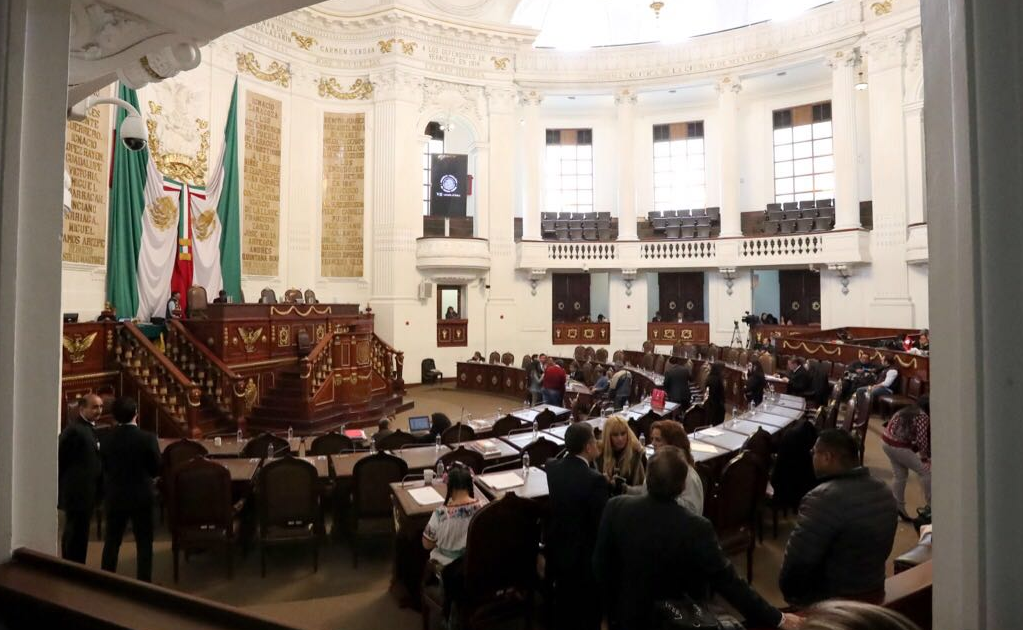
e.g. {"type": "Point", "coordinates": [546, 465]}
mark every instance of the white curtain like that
{"type": "Point", "coordinates": [158, 249]}
{"type": "Point", "coordinates": [206, 231]}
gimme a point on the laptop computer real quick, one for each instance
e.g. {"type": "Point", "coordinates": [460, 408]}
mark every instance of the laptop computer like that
{"type": "Point", "coordinates": [419, 424]}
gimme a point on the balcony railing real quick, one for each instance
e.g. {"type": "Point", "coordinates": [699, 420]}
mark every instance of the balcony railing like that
{"type": "Point", "coordinates": [837, 247]}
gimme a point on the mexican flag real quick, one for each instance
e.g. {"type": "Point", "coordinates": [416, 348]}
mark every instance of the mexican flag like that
{"type": "Point", "coordinates": [167, 235]}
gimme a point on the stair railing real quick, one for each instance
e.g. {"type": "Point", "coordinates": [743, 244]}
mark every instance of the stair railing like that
{"type": "Point", "coordinates": [221, 385]}
{"type": "Point", "coordinates": [388, 363]}
{"type": "Point", "coordinates": [317, 367]}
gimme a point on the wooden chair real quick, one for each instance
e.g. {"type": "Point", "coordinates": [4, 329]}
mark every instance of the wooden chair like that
{"type": "Point", "coordinates": [267, 296]}
{"type": "Point", "coordinates": [457, 434]}
{"type": "Point", "coordinates": [647, 362]}
{"type": "Point", "coordinates": [506, 425]}
{"type": "Point", "coordinates": [176, 454]}
{"type": "Point", "coordinates": [259, 445]}
{"type": "Point", "coordinates": [527, 361]}
{"type": "Point", "coordinates": [579, 354]}
{"type": "Point", "coordinates": [694, 418]}
{"type": "Point", "coordinates": [331, 443]}
{"type": "Point", "coordinates": [292, 296]}
{"type": "Point", "coordinates": [545, 419]}
{"type": "Point", "coordinates": [792, 476]}
{"type": "Point", "coordinates": [889, 404]}
{"type": "Point", "coordinates": [589, 353]}
{"type": "Point", "coordinates": [310, 297]}
{"type": "Point", "coordinates": [737, 496]}
{"type": "Point", "coordinates": [767, 362]}
{"type": "Point", "coordinates": [659, 364]}
{"type": "Point", "coordinates": [371, 510]}
{"type": "Point", "coordinates": [396, 440]}
{"type": "Point", "coordinates": [495, 357]}
{"type": "Point", "coordinates": [500, 566]}
{"type": "Point", "coordinates": [507, 358]}
{"type": "Point", "coordinates": [196, 302]}
{"type": "Point", "coordinates": [472, 459]}
{"type": "Point", "coordinates": [201, 513]}
{"type": "Point", "coordinates": [288, 504]}
{"type": "Point", "coordinates": [540, 450]}
{"type": "Point", "coordinates": [641, 426]}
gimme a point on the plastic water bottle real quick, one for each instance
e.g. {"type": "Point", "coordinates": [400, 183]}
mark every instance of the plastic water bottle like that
{"type": "Point", "coordinates": [536, 429]}
{"type": "Point", "coordinates": [269, 451]}
{"type": "Point", "coordinates": [436, 444]}
{"type": "Point", "coordinates": [301, 447]}
{"type": "Point", "coordinates": [642, 440]}
{"type": "Point", "coordinates": [440, 472]}
{"type": "Point", "coordinates": [500, 412]}
{"type": "Point", "coordinates": [525, 465]}
{"type": "Point", "coordinates": [238, 437]}
{"type": "Point", "coordinates": [291, 433]}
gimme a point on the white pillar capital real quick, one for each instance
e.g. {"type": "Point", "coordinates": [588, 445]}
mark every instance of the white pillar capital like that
{"type": "Point", "coordinates": [530, 98]}
{"type": "Point", "coordinates": [625, 97]}
{"type": "Point", "coordinates": [728, 85]}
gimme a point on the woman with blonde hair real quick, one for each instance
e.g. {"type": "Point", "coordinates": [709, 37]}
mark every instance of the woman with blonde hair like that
{"type": "Point", "coordinates": [621, 454]}
{"type": "Point", "coordinates": [850, 615]}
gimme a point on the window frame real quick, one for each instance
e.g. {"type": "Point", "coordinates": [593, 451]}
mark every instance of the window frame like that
{"type": "Point", "coordinates": [460, 288]}
{"type": "Point", "coordinates": [569, 167]}
{"type": "Point", "coordinates": [676, 134]}
{"type": "Point", "coordinates": [801, 160]}
{"type": "Point", "coordinates": [436, 134]}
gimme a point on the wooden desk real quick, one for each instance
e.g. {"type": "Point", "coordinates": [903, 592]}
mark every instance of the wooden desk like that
{"type": "Point", "coordinates": [321, 462]}
{"type": "Point", "coordinates": [495, 378]}
{"type": "Point", "coordinates": [344, 464]}
{"type": "Point", "coordinates": [674, 332]}
{"type": "Point", "coordinates": [726, 440]}
{"type": "Point", "coordinates": [420, 458]}
{"type": "Point", "coordinates": [534, 486]}
{"type": "Point", "coordinates": [576, 333]}
{"type": "Point", "coordinates": [527, 416]}
{"type": "Point", "coordinates": [242, 470]}
{"type": "Point", "coordinates": [520, 441]}
{"type": "Point", "coordinates": [452, 333]}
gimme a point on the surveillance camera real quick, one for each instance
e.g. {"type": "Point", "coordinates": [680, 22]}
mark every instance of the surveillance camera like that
{"type": "Point", "coordinates": [133, 133]}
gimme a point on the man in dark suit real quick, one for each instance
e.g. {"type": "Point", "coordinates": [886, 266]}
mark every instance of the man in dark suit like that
{"type": "Point", "coordinates": [799, 381]}
{"type": "Point", "coordinates": [650, 548]}
{"type": "Point", "coordinates": [131, 459]}
{"type": "Point", "coordinates": [577, 497]}
{"type": "Point", "coordinates": [78, 477]}
{"type": "Point", "coordinates": [676, 382]}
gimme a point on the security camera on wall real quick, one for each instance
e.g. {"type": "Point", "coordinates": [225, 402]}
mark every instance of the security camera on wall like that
{"type": "Point", "coordinates": [133, 133]}
{"type": "Point", "coordinates": [133, 129]}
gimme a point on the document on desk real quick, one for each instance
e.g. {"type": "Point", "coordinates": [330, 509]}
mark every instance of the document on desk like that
{"type": "Point", "coordinates": [702, 448]}
{"type": "Point", "coordinates": [712, 432]}
{"type": "Point", "coordinates": [426, 495]}
{"type": "Point", "coordinates": [502, 481]}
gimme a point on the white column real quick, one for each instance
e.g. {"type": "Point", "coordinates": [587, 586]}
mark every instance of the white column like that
{"type": "Point", "coordinates": [625, 102]}
{"type": "Point", "coordinates": [728, 155]}
{"type": "Point", "coordinates": [33, 84]}
{"type": "Point", "coordinates": [843, 124]}
{"type": "Point", "coordinates": [497, 184]}
{"type": "Point", "coordinates": [532, 172]}
{"type": "Point", "coordinates": [891, 305]}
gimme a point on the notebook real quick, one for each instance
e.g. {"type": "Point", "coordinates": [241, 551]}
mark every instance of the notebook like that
{"type": "Point", "coordinates": [426, 495]}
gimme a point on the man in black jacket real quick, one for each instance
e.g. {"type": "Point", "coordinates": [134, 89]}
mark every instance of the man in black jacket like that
{"type": "Point", "coordinates": [649, 548]}
{"type": "Point", "coordinates": [799, 382]}
{"type": "Point", "coordinates": [577, 497]}
{"type": "Point", "coordinates": [131, 459]}
{"type": "Point", "coordinates": [676, 383]}
{"type": "Point", "coordinates": [844, 532]}
{"type": "Point", "coordinates": [78, 477]}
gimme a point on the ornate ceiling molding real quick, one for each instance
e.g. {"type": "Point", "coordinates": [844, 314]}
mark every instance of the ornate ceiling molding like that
{"type": "Point", "coordinates": [276, 72]}
{"type": "Point", "coordinates": [361, 89]}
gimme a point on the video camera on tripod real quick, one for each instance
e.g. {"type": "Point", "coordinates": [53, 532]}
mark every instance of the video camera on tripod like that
{"type": "Point", "coordinates": [750, 320]}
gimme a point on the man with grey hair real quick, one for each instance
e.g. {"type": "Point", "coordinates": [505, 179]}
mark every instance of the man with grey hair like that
{"type": "Point", "coordinates": [651, 549]}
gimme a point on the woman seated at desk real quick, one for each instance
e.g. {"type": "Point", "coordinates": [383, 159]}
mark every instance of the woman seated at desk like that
{"type": "Point", "coordinates": [445, 533]}
{"type": "Point", "coordinates": [622, 458]}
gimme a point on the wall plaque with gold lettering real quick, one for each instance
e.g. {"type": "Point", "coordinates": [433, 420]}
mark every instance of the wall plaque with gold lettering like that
{"type": "Point", "coordinates": [341, 241]}
{"type": "Point", "coordinates": [87, 157]}
{"type": "Point", "coordinates": [262, 189]}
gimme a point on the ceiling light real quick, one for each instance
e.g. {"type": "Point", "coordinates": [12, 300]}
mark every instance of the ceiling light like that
{"type": "Point", "coordinates": [861, 83]}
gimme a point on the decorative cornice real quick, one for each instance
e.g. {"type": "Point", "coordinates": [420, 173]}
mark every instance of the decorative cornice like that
{"type": "Point", "coordinates": [500, 63]}
{"type": "Point", "coordinates": [361, 89]}
{"type": "Point", "coordinates": [626, 96]}
{"type": "Point", "coordinates": [387, 45]}
{"type": "Point", "coordinates": [530, 98]}
{"type": "Point", "coordinates": [882, 8]}
{"type": "Point", "coordinates": [276, 72]}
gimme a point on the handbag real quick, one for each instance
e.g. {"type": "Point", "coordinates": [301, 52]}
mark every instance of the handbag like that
{"type": "Point", "coordinates": [683, 613]}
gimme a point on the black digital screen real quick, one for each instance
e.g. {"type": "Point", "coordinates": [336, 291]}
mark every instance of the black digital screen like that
{"type": "Point", "coordinates": [449, 184]}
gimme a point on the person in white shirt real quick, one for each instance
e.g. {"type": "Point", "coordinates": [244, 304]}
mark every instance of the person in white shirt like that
{"type": "Point", "coordinates": [446, 532]}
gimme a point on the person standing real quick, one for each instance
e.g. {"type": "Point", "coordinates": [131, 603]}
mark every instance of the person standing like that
{"type": "Point", "coordinates": [907, 443]}
{"type": "Point", "coordinates": [715, 401]}
{"type": "Point", "coordinates": [79, 471]}
{"type": "Point", "coordinates": [554, 379]}
{"type": "Point", "coordinates": [577, 497]}
{"type": "Point", "coordinates": [131, 460]}
{"type": "Point", "coordinates": [844, 532]}
{"type": "Point", "coordinates": [676, 383]}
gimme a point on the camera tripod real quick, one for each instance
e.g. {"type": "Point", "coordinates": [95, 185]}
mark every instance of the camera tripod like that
{"type": "Point", "coordinates": [736, 341]}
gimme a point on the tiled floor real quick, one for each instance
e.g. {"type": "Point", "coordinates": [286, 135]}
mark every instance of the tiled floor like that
{"type": "Point", "coordinates": [341, 597]}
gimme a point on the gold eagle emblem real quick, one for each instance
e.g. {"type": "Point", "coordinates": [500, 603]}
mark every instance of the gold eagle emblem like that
{"type": "Point", "coordinates": [250, 337]}
{"type": "Point", "coordinates": [163, 213]}
{"type": "Point", "coordinates": [204, 224]}
{"type": "Point", "coordinates": [77, 347]}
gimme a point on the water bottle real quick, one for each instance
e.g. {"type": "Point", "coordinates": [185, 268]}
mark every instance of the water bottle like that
{"type": "Point", "coordinates": [238, 437]}
{"type": "Point", "coordinates": [291, 433]}
{"type": "Point", "coordinates": [372, 447]}
{"type": "Point", "coordinates": [735, 412]}
{"type": "Point", "coordinates": [301, 447]}
{"type": "Point", "coordinates": [642, 440]}
{"type": "Point", "coordinates": [440, 472]}
{"type": "Point", "coordinates": [436, 444]}
{"type": "Point", "coordinates": [269, 451]}
{"type": "Point", "coordinates": [525, 464]}
{"type": "Point", "coordinates": [536, 429]}
{"type": "Point", "coordinates": [500, 412]}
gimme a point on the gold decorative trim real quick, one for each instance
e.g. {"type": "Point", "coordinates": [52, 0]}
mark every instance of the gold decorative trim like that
{"type": "Point", "coordinates": [312, 310]}
{"type": "Point", "coordinates": [387, 45]}
{"type": "Point", "coordinates": [86, 377]}
{"type": "Point", "coordinates": [163, 213]}
{"type": "Point", "coordinates": [183, 168]}
{"type": "Point", "coordinates": [882, 8]}
{"type": "Point", "coordinates": [500, 63]}
{"type": "Point", "coordinates": [204, 224]}
{"type": "Point", "coordinates": [788, 345]}
{"type": "Point", "coordinates": [78, 345]}
{"type": "Point", "coordinates": [303, 42]}
{"type": "Point", "coordinates": [276, 72]}
{"type": "Point", "coordinates": [250, 337]}
{"type": "Point", "coordinates": [906, 363]}
{"type": "Point", "coordinates": [362, 89]}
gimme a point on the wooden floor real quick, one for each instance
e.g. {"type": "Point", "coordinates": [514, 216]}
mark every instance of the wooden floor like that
{"type": "Point", "coordinates": [340, 597]}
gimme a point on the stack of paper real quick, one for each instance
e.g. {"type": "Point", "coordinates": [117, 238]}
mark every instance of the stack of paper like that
{"type": "Point", "coordinates": [426, 495]}
{"type": "Point", "coordinates": [486, 447]}
{"type": "Point", "coordinates": [702, 448]}
{"type": "Point", "coordinates": [502, 481]}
